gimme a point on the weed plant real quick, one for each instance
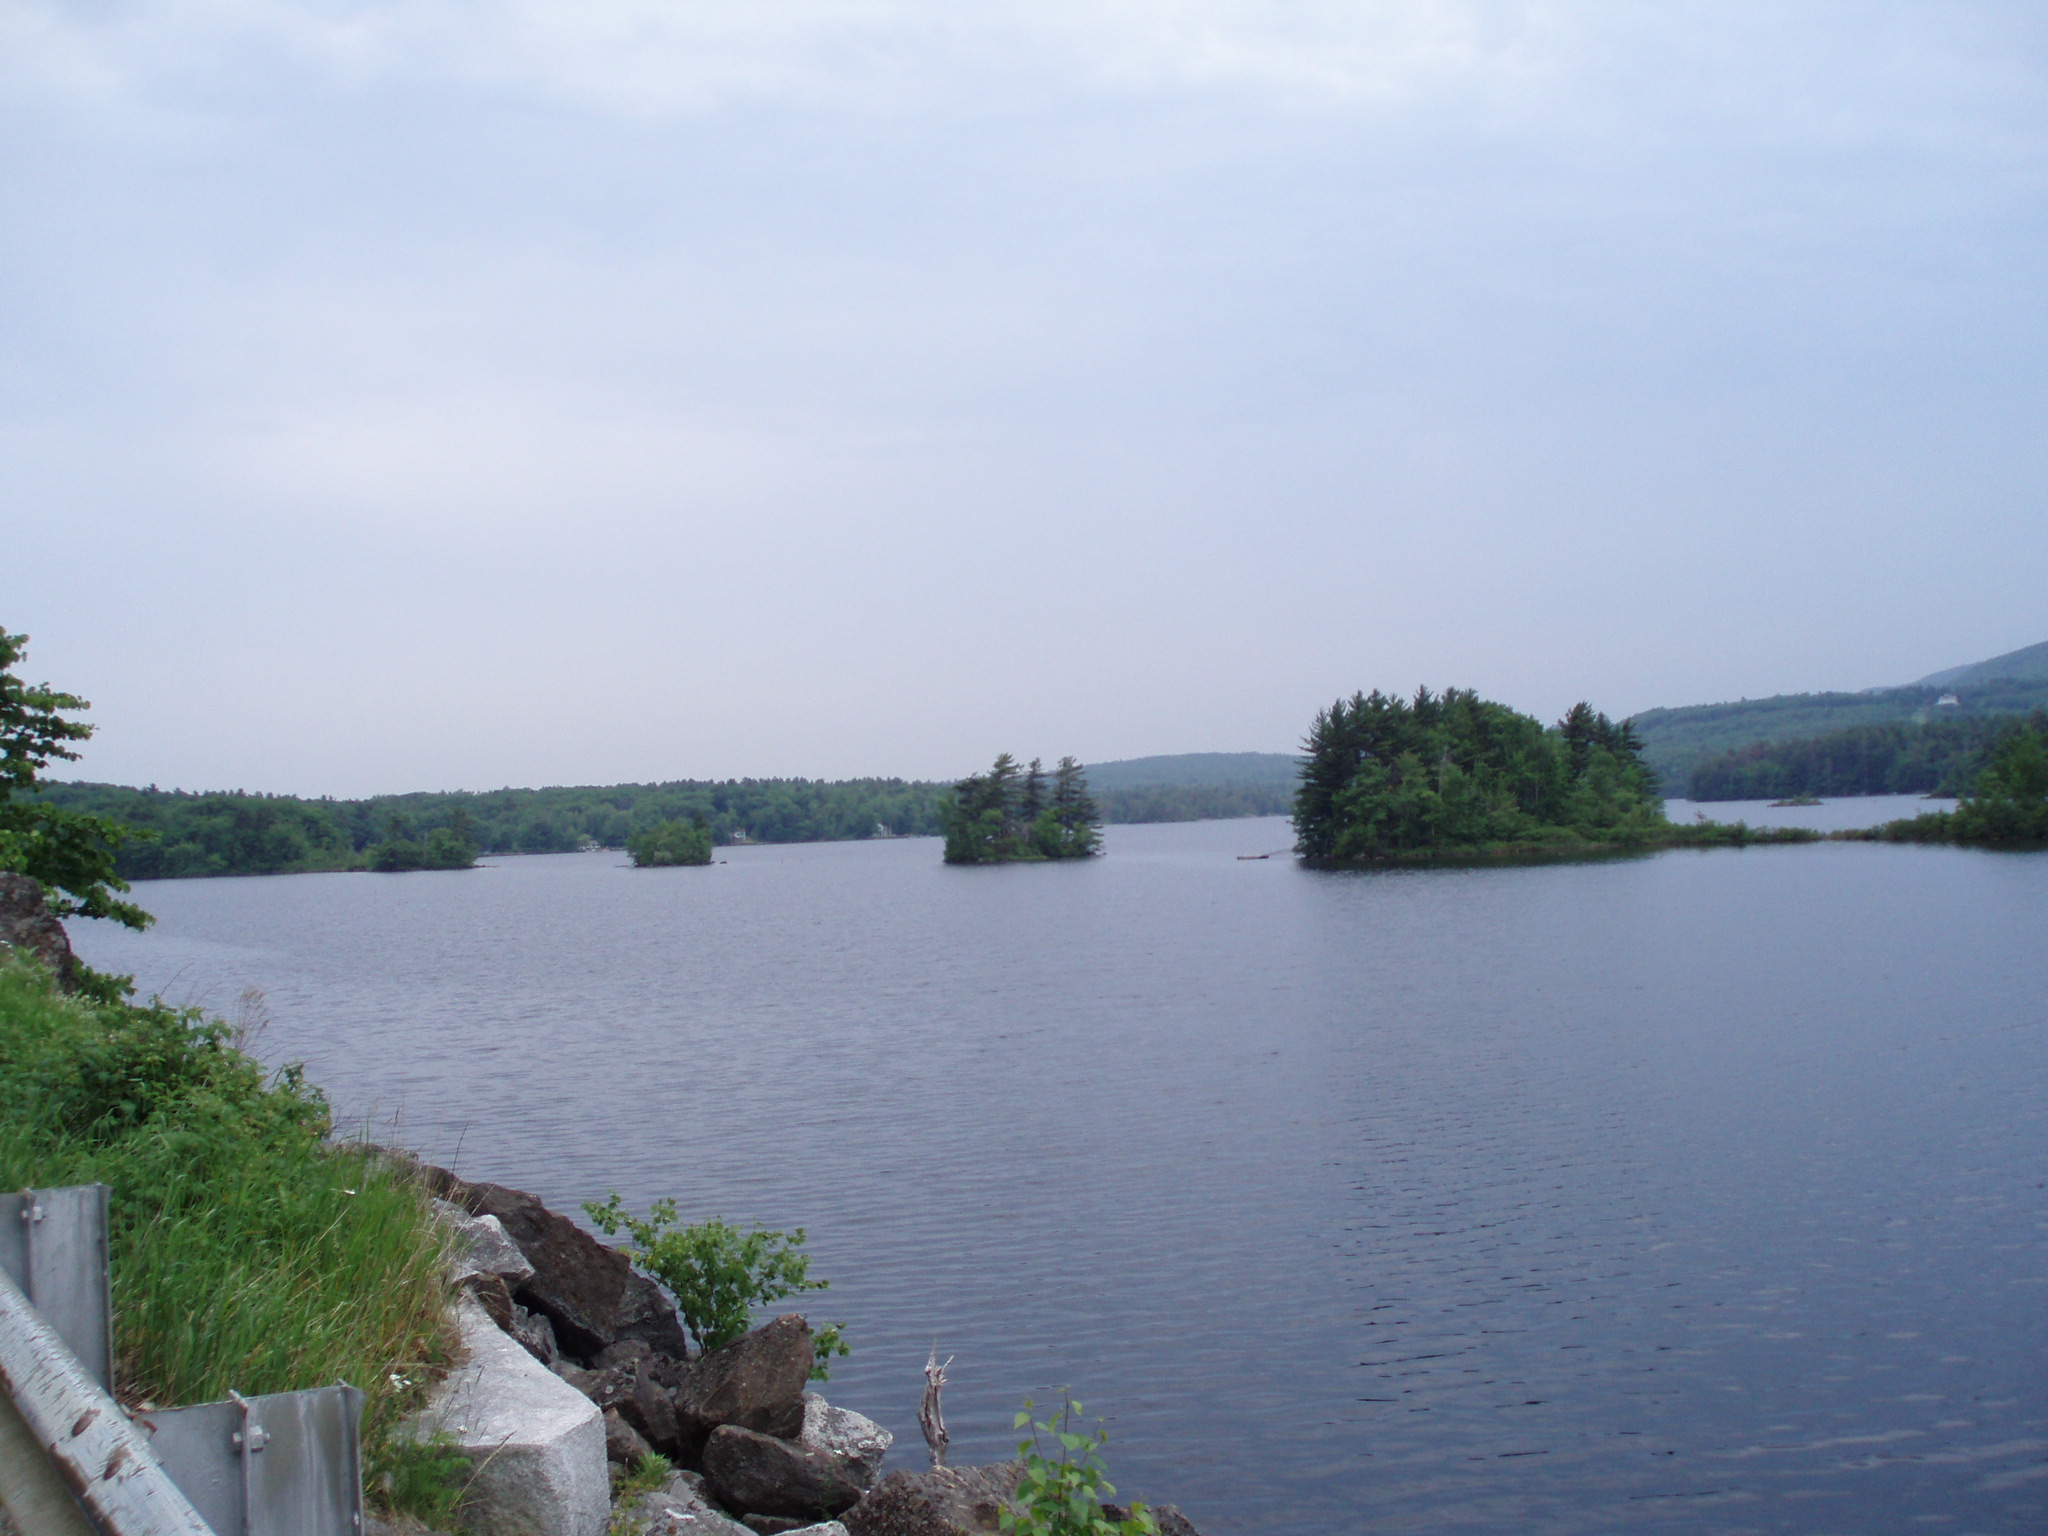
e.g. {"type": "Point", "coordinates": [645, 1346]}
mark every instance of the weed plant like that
{"type": "Point", "coordinates": [647, 1473]}
{"type": "Point", "coordinates": [1064, 1481]}
{"type": "Point", "coordinates": [249, 1254]}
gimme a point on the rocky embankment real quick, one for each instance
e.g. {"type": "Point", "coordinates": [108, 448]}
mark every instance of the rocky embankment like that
{"type": "Point", "coordinates": [576, 1358]}
{"type": "Point", "coordinates": [572, 1359]}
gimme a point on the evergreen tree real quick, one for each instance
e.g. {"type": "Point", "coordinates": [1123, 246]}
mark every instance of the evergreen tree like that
{"type": "Point", "coordinates": [979, 816]}
{"type": "Point", "coordinates": [1076, 821]}
{"type": "Point", "coordinates": [1032, 801]}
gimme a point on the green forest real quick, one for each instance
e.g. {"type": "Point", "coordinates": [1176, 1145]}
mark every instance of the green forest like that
{"type": "Point", "coordinates": [2008, 803]}
{"type": "Point", "coordinates": [1675, 741]}
{"type": "Point", "coordinates": [240, 833]}
{"type": "Point", "coordinates": [1392, 780]}
{"type": "Point", "coordinates": [1942, 756]}
{"type": "Point", "coordinates": [1011, 814]}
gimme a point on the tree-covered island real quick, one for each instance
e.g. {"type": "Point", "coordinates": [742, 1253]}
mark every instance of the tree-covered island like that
{"type": "Point", "coordinates": [1452, 776]}
{"type": "Point", "coordinates": [669, 843]}
{"type": "Point", "coordinates": [1010, 814]}
{"type": "Point", "coordinates": [447, 847]}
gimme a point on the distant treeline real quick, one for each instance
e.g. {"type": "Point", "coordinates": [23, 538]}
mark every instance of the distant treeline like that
{"type": "Point", "coordinates": [245, 834]}
{"type": "Point", "coordinates": [1676, 741]}
{"type": "Point", "coordinates": [237, 833]}
{"type": "Point", "coordinates": [1937, 756]}
{"type": "Point", "coordinates": [1194, 802]}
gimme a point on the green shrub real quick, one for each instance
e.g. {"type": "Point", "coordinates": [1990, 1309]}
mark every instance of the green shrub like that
{"type": "Point", "coordinates": [670, 842]}
{"type": "Point", "coordinates": [1061, 1494]}
{"type": "Point", "coordinates": [248, 1253]}
{"type": "Point", "coordinates": [717, 1273]}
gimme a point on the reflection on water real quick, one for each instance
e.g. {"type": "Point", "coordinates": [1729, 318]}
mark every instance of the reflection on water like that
{"type": "Point", "coordinates": [1697, 1192]}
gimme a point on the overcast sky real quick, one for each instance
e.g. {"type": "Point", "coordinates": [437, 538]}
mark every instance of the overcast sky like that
{"type": "Point", "coordinates": [431, 395]}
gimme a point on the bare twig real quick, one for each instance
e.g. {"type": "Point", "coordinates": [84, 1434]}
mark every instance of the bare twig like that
{"type": "Point", "coordinates": [929, 1417]}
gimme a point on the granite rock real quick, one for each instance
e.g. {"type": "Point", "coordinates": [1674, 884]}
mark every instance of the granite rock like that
{"type": "Point", "coordinates": [756, 1382]}
{"type": "Point", "coordinates": [27, 924]}
{"type": "Point", "coordinates": [538, 1445]}
{"type": "Point", "coordinates": [856, 1440]}
{"type": "Point", "coordinates": [589, 1291]}
{"type": "Point", "coordinates": [762, 1475]}
{"type": "Point", "coordinates": [946, 1501]}
{"type": "Point", "coordinates": [680, 1507]}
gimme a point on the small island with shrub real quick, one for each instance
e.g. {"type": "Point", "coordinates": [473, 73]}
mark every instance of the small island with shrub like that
{"type": "Point", "coordinates": [668, 843]}
{"type": "Point", "coordinates": [449, 847]}
{"type": "Point", "coordinates": [1009, 815]}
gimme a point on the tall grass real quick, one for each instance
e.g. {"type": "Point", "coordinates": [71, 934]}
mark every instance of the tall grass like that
{"type": "Point", "coordinates": [248, 1252]}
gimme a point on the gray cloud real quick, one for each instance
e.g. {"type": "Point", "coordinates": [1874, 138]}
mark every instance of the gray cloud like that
{"type": "Point", "coordinates": [423, 395]}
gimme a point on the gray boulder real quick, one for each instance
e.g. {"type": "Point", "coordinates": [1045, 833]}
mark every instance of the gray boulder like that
{"type": "Point", "coordinates": [946, 1501]}
{"type": "Point", "coordinates": [480, 1246]}
{"type": "Point", "coordinates": [590, 1293]}
{"type": "Point", "coordinates": [756, 1382]}
{"type": "Point", "coordinates": [760, 1474]}
{"type": "Point", "coordinates": [538, 1335]}
{"type": "Point", "coordinates": [855, 1440]}
{"type": "Point", "coordinates": [650, 1410]}
{"type": "Point", "coordinates": [538, 1447]}
{"type": "Point", "coordinates": [625, 1352]}
{"type": "Point", "coordinates": [622, 1442]}
{"type": "Point", "coordinates": [678, 1508]}
{"type": "Point", "coordinates": [26, 924]}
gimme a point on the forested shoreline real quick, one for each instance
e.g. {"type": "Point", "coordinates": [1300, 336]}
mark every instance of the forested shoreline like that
{"type": "Point", "coordinates": [1677, 741]}
{"type": "Point", "coordinates": [188, 834]}
{"type": "Point", "coordinates": [242, 833]}
{"type": "Point", "coordinates": [1932, 757]}
{"type": "Point", "coordinates": [239, 833]}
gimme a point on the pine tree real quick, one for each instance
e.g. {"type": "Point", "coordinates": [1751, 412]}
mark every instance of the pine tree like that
{"type": "Point", "coordinates": [1032, 801]}
{"type": "Point", "coordinates": [980, 816]}
{"type": "Point", "coordinates": [1075, 817]}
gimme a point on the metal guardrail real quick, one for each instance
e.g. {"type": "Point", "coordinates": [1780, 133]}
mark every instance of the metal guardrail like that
{"type": "Point", "coordinates": [84, 1442]}
{"type": "Point", "coordinates": [54, 1244]}
{"type": "Point", "coordinates": [73, 1464]}
{"type": "Point", "coordinates": [284, 1465]}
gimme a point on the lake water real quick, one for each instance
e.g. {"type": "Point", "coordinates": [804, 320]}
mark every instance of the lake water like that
{"type": "Point", "coordinates": [1700, 1192]}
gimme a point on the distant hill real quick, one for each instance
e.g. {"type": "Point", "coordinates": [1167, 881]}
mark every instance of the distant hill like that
{"type": "Point", "coordinates": [2027, 665]}
{"type": "Point", "coordinates": [1676, 740]}
{"type": "Point", "coordinates": [1192, 769]}
{"type": "Point", "coordinates": [1195, 786]}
